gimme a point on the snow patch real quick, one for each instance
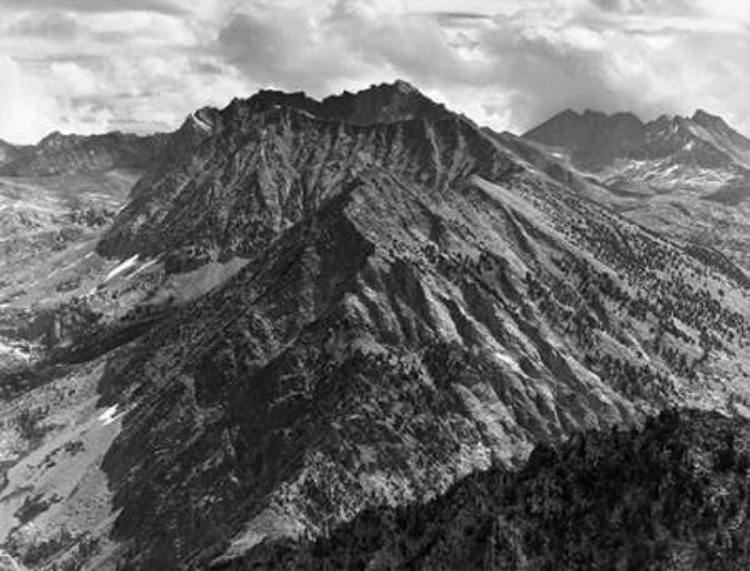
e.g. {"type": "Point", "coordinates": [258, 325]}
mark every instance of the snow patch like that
{"type": "Point", "coordinates": [508, 360]}
{"type": "Point", "coordinates": [145, 266]}
{"type": "Point", "coordinates": [124, 266]}
{"type": "Point", "coordinates": [108, 416]}
{"type": "Point", "coordinates": [201, 123]}
{"type": "Point", "coordinates": [13, 352]}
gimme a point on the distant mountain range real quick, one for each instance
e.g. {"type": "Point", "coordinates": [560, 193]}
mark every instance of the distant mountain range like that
{"type": "Point", "coordinates": [597, 140]}
{"type": "Point", "coordinates": [59, 154]}
{"type": "Point", "coordinates": [304, 310]}
{"type": "Point", "coordinates": [688, 178]}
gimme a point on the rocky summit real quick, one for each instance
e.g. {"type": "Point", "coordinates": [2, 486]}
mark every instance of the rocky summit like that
{"type": "Point", "coordinates": [305, 312]}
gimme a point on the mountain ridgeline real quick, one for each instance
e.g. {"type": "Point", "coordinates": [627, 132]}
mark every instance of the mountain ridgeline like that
{"type": "Point", "coordinates": [308, 310]}
{"type": "Point", "coordinates": [597, 140]}
{"type": "Point", "coordinates": [59, 154]}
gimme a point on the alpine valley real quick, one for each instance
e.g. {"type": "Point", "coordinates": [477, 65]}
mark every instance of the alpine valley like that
{"type": "Point", "coordinates": [367, 333]}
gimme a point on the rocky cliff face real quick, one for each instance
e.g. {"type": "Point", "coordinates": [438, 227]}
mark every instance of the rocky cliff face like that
{"type": "Point", "coordinates": [673, 496]}
{"type": "Point", "coordinates": [414, 300]}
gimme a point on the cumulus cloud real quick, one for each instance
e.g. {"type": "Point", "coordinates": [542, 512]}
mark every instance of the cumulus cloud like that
{"type": "Point", "coordinates": [512, 68]}
{"type": "Point", "coordinates": [30, 109]}
{"type": "Point", "coordinates": [145, 64]}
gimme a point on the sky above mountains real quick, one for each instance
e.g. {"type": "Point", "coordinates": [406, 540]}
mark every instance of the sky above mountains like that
{"type": "Point", "coordinates": [143, 65]}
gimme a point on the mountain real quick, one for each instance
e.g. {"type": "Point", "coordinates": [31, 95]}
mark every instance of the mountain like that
{"type": "Point", "coordinates": [8, 152]}
{"type": "Point", "coordinates": [56, 198]}
{"type": "Point", "coordinates": [307, 309]}
{"type": "Point", "coordinates": [596, 140]}
{"type": "Point", "coordinates": [217, 218]}
{"type": "Point", "coordinates": [383, 103]}
{"type": "Point", "coordinates": [672, 496]}
{"type": "Point", "coordinates": [687, 177]}
{"type": "Point", "coordinates": [59, 154]}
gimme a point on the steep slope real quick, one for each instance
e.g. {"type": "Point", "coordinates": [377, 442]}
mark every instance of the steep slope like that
{"type": "Point", "coordinates": [414, 301]}
{"type": "Point", "coordinates": [673, 496]}
{"type": "Point", "coordinates": [686, 177]}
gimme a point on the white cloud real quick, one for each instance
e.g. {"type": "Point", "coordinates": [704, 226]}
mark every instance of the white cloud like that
{"type": "Point", "coordinates": [146, 64]}
{"type": "Point", "coordinates": [27, 110]}
{"type": "Point", "coordinates": [32, 107]}
{"type": "Point", "coordinates": [75, 80]}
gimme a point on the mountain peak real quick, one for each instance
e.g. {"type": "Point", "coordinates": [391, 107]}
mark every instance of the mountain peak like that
{"type": "Point", "coordinates": [399, 85]}
{"type": "Point", "coordinates": [404, 86]}
{"type": "Point", "coordinates": [596, 139]}
{"type": "Point", "coordinates": [385, 103]}
{"type": "Point", "coordinates": [714, 123]}
{"type": "Point", "coordinates": [54, 139]}
{"type": "Point", "coordinates": [379, 103]}
{"type": "Point", "coordinates": [701, 116]}
{"type": "Point", "coordinates": [593, 137]}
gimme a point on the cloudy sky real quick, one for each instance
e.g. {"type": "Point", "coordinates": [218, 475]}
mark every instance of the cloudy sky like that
{"type": "Point", "coordinates": [143, 65]}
